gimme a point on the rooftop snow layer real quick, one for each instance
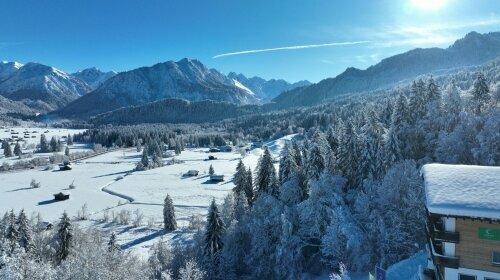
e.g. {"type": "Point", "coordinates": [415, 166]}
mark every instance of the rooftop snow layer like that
{"type": "Point", "coordinates": [462, 190]}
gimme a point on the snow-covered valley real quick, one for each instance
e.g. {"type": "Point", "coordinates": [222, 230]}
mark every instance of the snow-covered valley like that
{"type": "Point", "coordinates": [108, 184]}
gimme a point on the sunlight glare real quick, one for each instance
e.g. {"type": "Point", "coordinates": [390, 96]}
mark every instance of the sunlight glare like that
{"type": "Point", "coordinates": [428, 5]}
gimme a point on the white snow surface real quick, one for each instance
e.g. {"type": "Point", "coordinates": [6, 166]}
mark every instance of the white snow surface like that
{"type": "Point", "coordinates": [462, 190]}
{"type": "Point", "coordinates": [109, 182]}
{"type": "Point", "coordinates": [240, 85]}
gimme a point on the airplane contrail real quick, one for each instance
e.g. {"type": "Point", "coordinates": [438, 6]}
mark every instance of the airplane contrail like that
{"type": "Point", "coordinates": [291, 48]}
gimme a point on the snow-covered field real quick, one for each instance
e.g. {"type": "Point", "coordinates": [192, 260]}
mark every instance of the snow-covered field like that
{"type": "Point", "coordinates": [109, 181]}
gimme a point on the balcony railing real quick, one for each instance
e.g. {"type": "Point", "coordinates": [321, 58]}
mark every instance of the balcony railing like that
{"type": "Point", "coordinates": [446, 236]}
{"type": "Point", "coordinates": [445, 261]}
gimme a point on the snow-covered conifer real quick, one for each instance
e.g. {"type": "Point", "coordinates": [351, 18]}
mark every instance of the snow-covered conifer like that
{"type": "Point", "coordinates": [169, 221]}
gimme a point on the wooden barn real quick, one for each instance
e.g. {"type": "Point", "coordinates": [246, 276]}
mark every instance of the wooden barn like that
{"type": "Point", "coordinates": [61, 196]}
{"type": "Point", "coordinates": [217, 178]}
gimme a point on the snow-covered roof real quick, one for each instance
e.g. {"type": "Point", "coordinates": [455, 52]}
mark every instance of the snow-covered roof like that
{"type": "Point", "coordinates": [462, 190]}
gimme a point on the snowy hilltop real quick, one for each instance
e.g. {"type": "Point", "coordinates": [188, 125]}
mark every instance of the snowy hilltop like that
{"type": "Point", "coordinates": [41, 83]}
{"type": "Point", "coordinates": [93, 76]}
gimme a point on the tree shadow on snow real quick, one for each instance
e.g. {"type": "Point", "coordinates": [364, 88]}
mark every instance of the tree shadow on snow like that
{"type": "Point", "coordinates": [143, 239]}
{"type": "Point", "coordinates": [21, 189]}
{"type": "Point", "coordinates": [210, 182]}
{"type": "Point", "coordinates": [111, 174]}
{"type": "Point", "coordinates": [45, 202]}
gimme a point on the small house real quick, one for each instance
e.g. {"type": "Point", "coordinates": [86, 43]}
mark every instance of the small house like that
{"type": "Point", "coordinates": [65, 166]}
{"type": "Point", "coordinates": [192, 173]}
{"type": "Point", "coordinates": [226, 148]}
{"type": "Point", "coordinates": [61, 196]}
{"type": "Point", "coordinates": [214, 150]}
{"type": "Point", "coordinates": [217, 178]}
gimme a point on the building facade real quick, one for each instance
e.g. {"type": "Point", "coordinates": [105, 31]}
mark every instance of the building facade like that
{"type": "Point", "coordinates": [463, 222]}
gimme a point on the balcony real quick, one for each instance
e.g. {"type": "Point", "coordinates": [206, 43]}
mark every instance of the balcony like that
{"type": "Point", "coordinates": [446, 236]}
{"type": "Point", "coordinates": [445, 261]}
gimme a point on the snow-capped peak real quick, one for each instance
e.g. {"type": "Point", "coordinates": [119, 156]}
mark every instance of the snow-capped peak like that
{"type": "Point", "coordinates": [240, 85]}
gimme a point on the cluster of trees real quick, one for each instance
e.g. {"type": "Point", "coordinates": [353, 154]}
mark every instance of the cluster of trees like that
{"type": "Point", "coordinates": [348, 195]}
{"type": "Point", "coordinates": [174, 136]}
{"type": "Point", "coordinates": [55, 145]}
{"type": "Point", "coordinates": [31, 250]}
{"type": "Point", "coordinates": [347, 190]}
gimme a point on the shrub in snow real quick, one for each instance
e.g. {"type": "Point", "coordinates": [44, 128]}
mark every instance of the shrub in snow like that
{"type": "Point", "coordinates": [192, 271]}
{"type": "Point", "coordinates": [105, 215]}
{"type": "Point", "coordinates": [342, 275]}
{"type": "Point", "coordinates": [196, 222]}
{"type": "Point", "coordinates": [124, 217]}
{"type": "Point", "coordinates": [138, 218]}
{"type": "Point", "coordinates": [151, 222]}
{"type": "Point", "coordinates": [72, 185]}
{"type": "Point", "coordinates": [34, 184]}
{"type": "Point", "coordinates": [83, 213]}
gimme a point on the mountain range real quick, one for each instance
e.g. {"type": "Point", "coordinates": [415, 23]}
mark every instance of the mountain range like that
{"type": "Point", "coordinates": [473, 49]}
{"type": "Point", "coordinates": [35, 87]}
{"type": "Point", "coordinates": [34, 82]}
{"type": "Point", "coordinates": [185, 79]}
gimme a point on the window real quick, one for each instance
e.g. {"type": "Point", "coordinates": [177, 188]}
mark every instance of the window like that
{"type": "Point", "coordinates": [466, 277]}
{"type": "Point", "coordinates": [487, 278]}
{"type": "Point", "coordinates": [496, 258]}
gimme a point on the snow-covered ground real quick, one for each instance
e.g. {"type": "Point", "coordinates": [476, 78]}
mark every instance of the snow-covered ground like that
{"type": "Point", "coordinates": [109, 181]}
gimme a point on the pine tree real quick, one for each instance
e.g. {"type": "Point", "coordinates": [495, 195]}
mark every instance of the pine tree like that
{"type": "Point", "coordinates": [53, 144]}
{"type": "Point", "coordinates": [333, 140]}
{"type": "Point", "coordinates": [145, 159]}
{"type": "Point", "coordinates": [392, 147]}
{"type": "Point", "coordinates": [348, 154]}
{"type": "Point", "coordinates": [266, 180]}
{"type": "Point", "coordinates": [452, 106]}
{"type": "Point", "coordinates": [17, 149]}
{"type": "Point", "coordinates": [4, 144]}
{"type": "Point", "coordinates": [480, 94]}
{"type": "Point", "coordinates": [169, 221]}
{"type": "Point", "coordinates": [316, 163]}
{"type": "Point", "coordinates": [157, 161]}
{"type": "Point", "coordinates": [7, 151]}
{"type": "Point", "coordinates": [12, 233]}
{"type": "Point", "coordinates": [65, 235]}
{"type": "Point", "coordinates": [416, 103]}
{"type": "Point", "coordinates": [248, 187]}
{"type": "Point", "coordinates": [69, 140]}
{"type": "Point", "coordinates": [44, 145]}
{"type": "Point", "coordinates": [112, 246]}
{"type": "Point", "coordinates": [288, 165]}
{"type": "Point", "coordinates": [213, 237]}
{"type": "Point", "coordinates": [240, 206]}
{"type": "Point", "coordinates": [66, 151]}
{"type": "Point", "coordinates": [239, 177]}
{"type": "Point", "coordinates": [25, 233]}
{"type": "Point", "coordinates": [211, 170]}
{"type": "Point", "coordinates": [297, 153]}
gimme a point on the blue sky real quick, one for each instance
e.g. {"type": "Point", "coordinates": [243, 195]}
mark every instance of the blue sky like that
{"type": "Point", "coordinates": [126, 34]}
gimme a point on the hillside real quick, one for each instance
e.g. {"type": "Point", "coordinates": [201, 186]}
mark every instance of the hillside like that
{"type": "Point", "coordinates": [473, 49]}
{"type": "Point", "coordinates": [34, 82]}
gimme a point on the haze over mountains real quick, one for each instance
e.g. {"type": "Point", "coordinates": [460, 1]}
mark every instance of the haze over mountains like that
{"type": "Point", "coordinates": [473, 49]}
{"type": "Point", "coordinates": [39, 88]}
